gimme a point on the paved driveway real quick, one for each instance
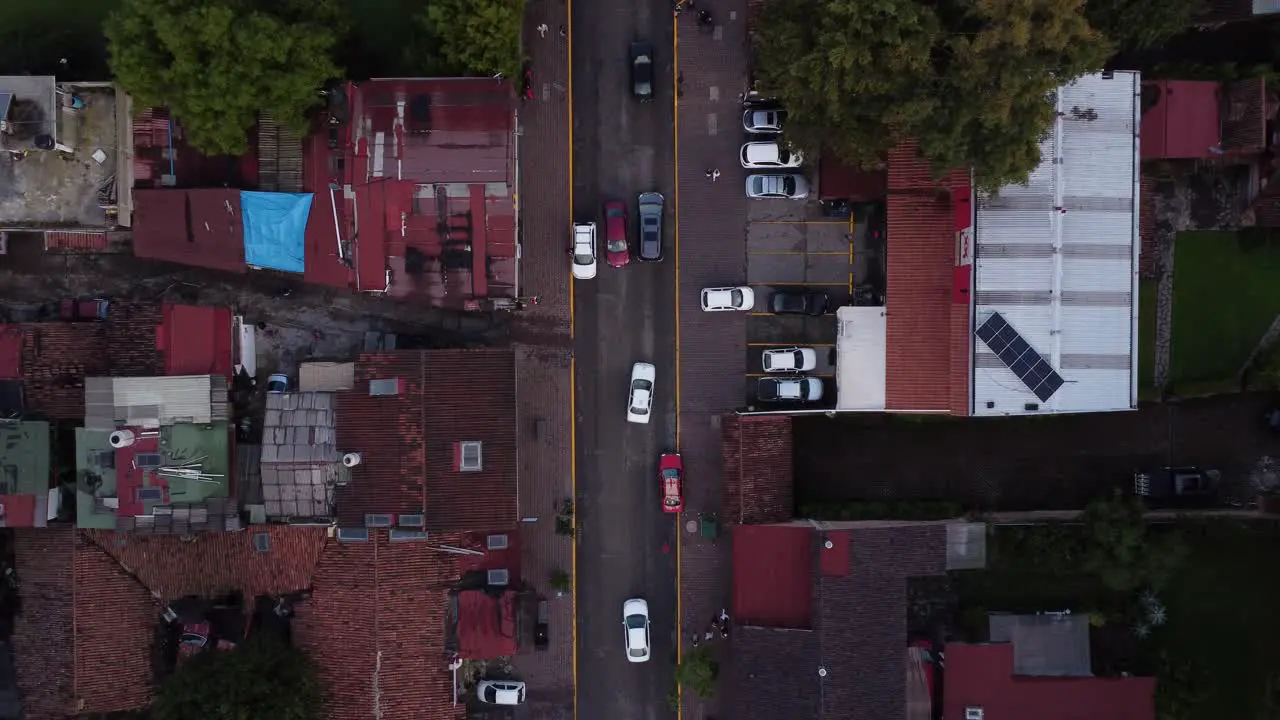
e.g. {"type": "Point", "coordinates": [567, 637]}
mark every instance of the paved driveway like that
{"type": "Point", "coordinates": [623, 316]}
{"type": "Point", "coordinates": [1027, 463]}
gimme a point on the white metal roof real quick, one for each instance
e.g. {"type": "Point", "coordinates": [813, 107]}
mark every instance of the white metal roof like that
{"type": "Point", "coordinates": [860, 358]}
{"type": "Point", "coordinates": [1058, 257]}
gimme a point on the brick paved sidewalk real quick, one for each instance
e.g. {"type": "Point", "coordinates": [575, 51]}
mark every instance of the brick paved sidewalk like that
{"type": "Point", "coordinates": [712, 224]}
{"type": "Point", "coordinates": [543, 351]}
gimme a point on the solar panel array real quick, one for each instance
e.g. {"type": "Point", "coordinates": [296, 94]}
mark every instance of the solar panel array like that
{"type": "Point", "coordinates": [1018, 355]}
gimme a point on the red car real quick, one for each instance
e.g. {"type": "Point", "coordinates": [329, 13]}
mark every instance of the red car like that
{"type": "Point", "coordinates": [617, 250]}
{"type": "Point", "coordinates": [671, 470]}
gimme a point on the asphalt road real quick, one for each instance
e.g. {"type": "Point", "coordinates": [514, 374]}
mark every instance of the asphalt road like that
{"type": "Point", "coordinates": [626, 545]}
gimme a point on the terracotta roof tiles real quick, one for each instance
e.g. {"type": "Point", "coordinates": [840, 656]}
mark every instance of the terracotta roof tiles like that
{"type": "Point", "coordinates": [759, 483]}
{"type": "Point", "coordinates": [56, 358]}
{"type": "Point", "coordinates": [43, 644]}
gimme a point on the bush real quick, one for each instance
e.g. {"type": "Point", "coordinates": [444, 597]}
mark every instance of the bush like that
{"type": "Point", "coordinates": [697, 672]}
{"type": "Point", "coordinates": [561, 581]}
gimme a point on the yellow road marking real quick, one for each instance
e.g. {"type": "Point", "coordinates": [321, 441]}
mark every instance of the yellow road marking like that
{"type": "Point", "coordinates": [675, 110]}
{"type": "Point", "coordinates": [573, 369]}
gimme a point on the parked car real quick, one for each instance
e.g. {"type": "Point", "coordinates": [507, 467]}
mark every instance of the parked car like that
{"type": "Point", "coordinates": [642, 71]}
{"type": "Point", "coordinates": [635, 623]}
{"type": "Point", "coordinates": [640, 401]}
{"type": "Point", "coordinates": [671, 472]}
{"type": "Point", "coordinates": [194, 638]}
{"type": "Point", "coordinates": [277, 384]}
{"type": "Point", "coordinates": [794, 359]}
{"type": "Point", "coordinates": [500, 692]}
{"type": "Point", "coordinates": [728, 298]}
{"type": "Point", "coordinates": [790, 186]}
{"type": "Point", "coordinates": [84, 310]}
{"type": "Point", "coordinates": [779, 389]}
{"type": "Point", "coordinates": [650, 205]}
{"type": "Point", "coordinates": [769, 154]}
{"type": "Point", "coordinates": [764, 121]}
{"type": "Point", "coordinates": [1176, 486]}
{"type": "Point", "coordinates": [799, 302]}
{"type": "Point", "coordinates": [584, 250]}
{"type": "Point", "coordinates": [617, 250]}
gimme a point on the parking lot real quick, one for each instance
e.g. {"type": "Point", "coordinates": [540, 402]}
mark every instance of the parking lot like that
{"type": "Point", "coordinates": [809, 247]}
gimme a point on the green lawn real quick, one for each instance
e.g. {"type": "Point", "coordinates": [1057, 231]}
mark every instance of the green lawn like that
{"type": "Point", "coordinates": [1226, 293]}
{"type": "Point", "coordinates": [1219, 637]}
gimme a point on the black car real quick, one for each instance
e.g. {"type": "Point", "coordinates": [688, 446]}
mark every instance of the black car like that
{"type": "Point", "coordinates": [642, 71]}
{"type": "Point", "coordinates": [1176, 487]}
{"type": "Point", "coordinates": [650, 214]}
{"type": "Point", "coordinates": [799, 302]}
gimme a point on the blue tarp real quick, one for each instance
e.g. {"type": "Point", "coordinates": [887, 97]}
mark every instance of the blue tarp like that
{"type": "Point", "coordinates": [275, 226]}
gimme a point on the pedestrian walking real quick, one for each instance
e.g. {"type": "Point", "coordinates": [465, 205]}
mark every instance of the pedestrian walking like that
{"type": "Point", "coordinates": [710, 172]}
{"type": "Point", "coordinates": [542, 30]}
{"type": "Point", "coordinates": [715, 175]}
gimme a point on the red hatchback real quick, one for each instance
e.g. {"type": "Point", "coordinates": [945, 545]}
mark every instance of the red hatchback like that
{"type": "Point", "coordinates": [617, 251]}
{"type": "Point", "coordinates": [671, 470]}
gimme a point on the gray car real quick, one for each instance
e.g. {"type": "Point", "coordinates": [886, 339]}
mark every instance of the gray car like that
{"type": "Point", "coordinates": [650, 215]}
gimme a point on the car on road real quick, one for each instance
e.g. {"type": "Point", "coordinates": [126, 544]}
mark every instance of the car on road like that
{"type": "Point", "coordinates": [635, 623]}
{"type": "Point", "coordinates": [642, 71]}
{"type": "Point", "coordinates": [584, 250]}
{"type": "Point", "coordinates": [793, 359]}
{"type": "Point", "coordinates": [782, 389]}
{"type": "Point", "coordinates": [787, 186]}
{"type": "Point", "coordinates": [500, 692]}
{"type": "Point", "coordinates": [650, 205]}
{"type": "Point", "coordinates": [799, 302]}
{"type": "Point", "coordinates": [763, 121]}
{"type": "Point", "coordinates": [1176, 486]}
{"type": "Point", "coordinates": [769, 154]}
{"type": "Point", "coordinates": [671, 472]}
{"type": "Point", "coordinates": [617, 251]}
{"type": "Point", "coordinates": [84, 310]}
{"type": "Point", "coordinates": [640, 401]}
{"type": "Point", "coordinates": [728, 298]}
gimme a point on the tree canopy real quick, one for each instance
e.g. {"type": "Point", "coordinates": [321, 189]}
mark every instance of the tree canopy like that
{"type": "Point", "coordinates": [216, 63]}
{"type": "Point", "coordinates": [1141, 24]}
{"type": "Point", "coordinates": [263, 679]}
{"type": "Point", "coordinates": [475, 37]}
{"type": "Point", "coordinates": [971, 81]}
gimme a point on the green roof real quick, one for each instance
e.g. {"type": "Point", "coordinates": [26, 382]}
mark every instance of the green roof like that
{"type": "Point", "coordinates": [24, 458]}
{"type": "Point", "coordinates": [94, 479]}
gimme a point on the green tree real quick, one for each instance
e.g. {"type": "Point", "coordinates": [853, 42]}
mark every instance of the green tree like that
{"type": "Point", "coordinates": [1120, 550]}
{"type": "Point", "coordinates": [971, 81]}
{"type": "Point", "coordinates": [263, 679]}
{"type": "Point", "coordinates": [1141, 24]}
{"type": "Point", "coordinates": [216, 63]}
{"type": "Point", "coordinates": [475, 37]}
{"type": "Point", "coordinates": [697, 672]}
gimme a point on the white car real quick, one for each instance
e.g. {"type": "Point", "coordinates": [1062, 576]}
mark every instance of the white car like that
{"type": "Point", "coordinates": [794, 390]}
{"type": "Point", "coordinates": [728, 298]}
{"type": "Point", "coordinates": [640, 401]}
{"type": "Point", "coordinates": [777, 186]}
{"type": "Point", "coordinates": [795, 359]}
{"type": "Point", "coordinates": [771, 154]}
{"type": "Point", "coordinates": [764, 122]}
{"type": "Point", "coordinates": [500, 692]}
{"type": "Point", "coordinates": [584, 250]}
{"type": "Point", "coordinates": [635, 621]}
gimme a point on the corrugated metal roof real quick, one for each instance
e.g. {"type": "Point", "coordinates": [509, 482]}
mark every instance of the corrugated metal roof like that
{"type": "Point", "coordinates": [1184, 121]}
{"type": "Point", "coordinates": [1058, 258]}
{"type": "Point", "coordinates": [195, 340]}
{"type": "Point", "coordinates": [326, 376]}
{"type": "Point", "coordinates": [201, 227]}
{"type": "Point", "coordinates": [74, 241]}
{"type": "Point", "coordinates": [860, 358]}
{"type": "Point", "coordinates": [111, 403]}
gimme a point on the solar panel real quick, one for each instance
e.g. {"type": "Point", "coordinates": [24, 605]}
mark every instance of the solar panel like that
{"type": "Point", "coordinates": [1018, 355]}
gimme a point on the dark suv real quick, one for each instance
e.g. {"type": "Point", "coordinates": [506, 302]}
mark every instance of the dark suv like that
{"type": "Point", "coordinates": [650, 205]}
{"type": "Point", "coordinates": [642, 71]}
{"type": "Point", "coordinates": [799, 302]}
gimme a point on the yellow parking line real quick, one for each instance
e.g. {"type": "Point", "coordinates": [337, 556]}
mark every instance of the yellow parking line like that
{"type": "Point", "coordinates": [788, 344]}
{"type": "Point", "coordinates": [675, 111]}
{"type": "Point", "coordinates": [573, 370]}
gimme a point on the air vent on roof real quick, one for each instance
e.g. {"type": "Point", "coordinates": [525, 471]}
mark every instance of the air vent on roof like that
{"type": "Point", "coordinates": [377, 520]}
{"type": "Point", "coordinates": [261, 542]}
{"type": "Point", "coordinates": [973, 713]}
{"type": "Point", "coordinates": [147, 460]}
{"type": "Point", "coordinates": [351, 459]}
{"type": "Point", "coordinates": [499, 577]}
{"type": "Point", "coordinates": [121, 438]}
{"type": "Point", "coordinates": [496, 542]}
{"type": "Point", "coordinates": [412, 520]}
{"type": "Point", "coordinates": [398, 535]}
{"type": "Point", "coordinates": [353, 535]}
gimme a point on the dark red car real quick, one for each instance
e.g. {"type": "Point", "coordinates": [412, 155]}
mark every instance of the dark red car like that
{"type": "Point", "coordinates": [671, 471]}
{"type": "Point", "coordinates": [617, 250]}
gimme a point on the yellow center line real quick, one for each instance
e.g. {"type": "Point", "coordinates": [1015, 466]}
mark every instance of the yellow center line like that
{"type": "Point", "coordinates": [573, 369]}
{"type": "Point", "coordinates": [675, 109]}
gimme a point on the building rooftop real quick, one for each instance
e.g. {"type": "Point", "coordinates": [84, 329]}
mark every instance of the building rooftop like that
{"type": "Point", "coordinates": [24, 473]}
{"type": "Point", "coordinates": [773, 576]}
{"type": "Point", "coordinates": [759, 484]}
{"type": "Point", "coordinates": [195, 340]}
{"type": "Point", "coordinates": [300, 465]}
{"type": "Point", "coordinates": [202, 227]}
{"type": "Point", "coordinates": [162, 158]}
{"type": "Point", "coordinates": [66, 185]}
{"type": "Point", "coordinates": [408, 417]}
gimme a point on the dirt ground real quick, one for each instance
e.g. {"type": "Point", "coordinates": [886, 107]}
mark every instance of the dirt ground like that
{"type": "Point", "coordinates": [313, 322]}
{"type": "Point", "coordinates": [1043, 463]}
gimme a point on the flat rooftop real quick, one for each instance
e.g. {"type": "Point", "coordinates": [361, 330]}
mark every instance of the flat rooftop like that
{"type": "Point", "coordinates": [65, 186]}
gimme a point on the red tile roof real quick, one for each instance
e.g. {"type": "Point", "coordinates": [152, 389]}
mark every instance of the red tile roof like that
{"type": "Point", "coordinates": [56, 358]}
{"type": "Point", "coordinates": [375, 628]}
{"type": "Point", "coordinates": [193, 227]}
{"type": "Point", "coordinates": [408, 441]}
{"type": "Point", "coordinates": [131, 336]}
{"type": "Point", "coordinates": [982, 676]}
{"type": "Point", "coordinates": [923, 329]}
{"type": "Point", "coordinates": [43, 640]}
{"type": "Point", "coordinates": [486, 624]}
{"type": "Point", "coordinates": [195, 340]}
{"type": "Point", "coordinates": [1183, 122]}
{"type": "Point", "coordinates": [758, 480]}
{"type": "Point", "coordinates": [773, 576]}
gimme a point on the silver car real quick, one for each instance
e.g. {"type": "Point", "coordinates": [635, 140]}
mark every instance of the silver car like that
{"type": "Point", "coordinates": [650, 206]}
{"type": "Point", "coordinates": [791, 186]}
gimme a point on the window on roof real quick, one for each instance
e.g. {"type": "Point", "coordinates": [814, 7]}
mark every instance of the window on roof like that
{"type": "Point", "coordinates": [392, 386]}
{"type": "Point", "coordinates": [497, 542]}
{"type": "Point", "coordinates": [413, 520]}
{"type": "Point", "coordinates": [377, 521]}
{"type": "Point", "coordinates": [470, 456]}
{"type": "Point", "coordinates": [353, 535]}
{"type": "Point", "coordinates": [261, 542]}
{"type": "Point", "coordinates": [398, 535]}
{"type": "Point", "coordinates": [147, 460]}
{"type": "Point", "coordinates": [498, 577]}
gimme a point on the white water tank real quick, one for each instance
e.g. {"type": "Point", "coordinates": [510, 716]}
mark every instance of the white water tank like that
{"type": "Point", "coordinates": [351, 459]}
{"type": "Point", "coordinates": [122, 438]}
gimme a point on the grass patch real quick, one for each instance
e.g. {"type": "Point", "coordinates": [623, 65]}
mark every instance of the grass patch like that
{"type": "Point", "coordinates": [1147, 338]}
{"type": "Point", "coordinates": [1224, 298]}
